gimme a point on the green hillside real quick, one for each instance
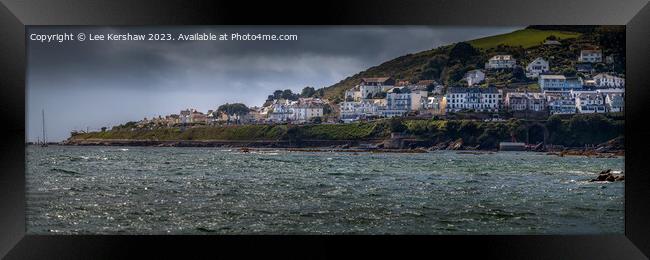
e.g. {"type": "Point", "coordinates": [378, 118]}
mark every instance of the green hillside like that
{"type": "Point", "coordinates": [525, 38]}
{"type": "Point", "coordinates": [407, 67]}
{"type": "Point", "coordinates": [447, 64]}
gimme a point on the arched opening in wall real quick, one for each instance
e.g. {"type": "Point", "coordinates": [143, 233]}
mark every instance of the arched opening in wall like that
{"type": "Point", "coordinates": [536, 134]}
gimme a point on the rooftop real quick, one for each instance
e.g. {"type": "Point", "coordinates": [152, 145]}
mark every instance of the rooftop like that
{"type": "Point", "coordinates": [375, 80]}
{"type": "Point", "coordinates": [552, 77]}
{"type": "Point", "coordinates": [426, 82]}
{"type": "Point", "coordinates": [501, 57]}
{"type": "Point", "coordinates": [472, 90]}
{"type": "Point", "coordinates": [591, 51]}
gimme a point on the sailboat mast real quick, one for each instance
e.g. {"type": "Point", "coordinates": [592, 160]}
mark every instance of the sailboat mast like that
{"type": "Point", "coordinates": [43, 117]}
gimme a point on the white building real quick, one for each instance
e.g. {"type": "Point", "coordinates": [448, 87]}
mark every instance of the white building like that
{"type": "Point", "coordinates": [590, 103]}
{"type": "Point", "coordinates": [300, 111]}
{"type": "Point", "coordinates": [192, 115]}
{"type": "Point", "coordinates": [605, 80]}
{"type": "Point", "coordinates": [501, 62]}
{"type": "Point", "coordinates": [352, 94]}
{"type": "Point", "coordinates": [474, 98]}
{"type": "Point", "coordinates": [387, 82]}
{"type": "Point", "coordinates": [305, 112]}
{"type": "Point", "coordinates": [555, 83]}
{"type": "Point", "coordinates": [398, 102]}
{"type": "Point", "coordinates": [353, 111]}
{"type": "Point", "coordinates": [614, 99]}
{"type": "Point", "coordinates": [280, 111]}
{"type": "Point", "coordinates": [185, 116]}
{"type": "Point", "coordinates": [419, 96]}
{"type": "Point", "coordinates": [592, 56]}
{"type": "Point", "coordinates": [536, 67]}
{"type": "Point", "coordinates": [561, 104]}
{"type": "Point", "coordinates": [368, 88]}
{"type": "Point", "coordinates": [525, 101]}
{"type": "Point", "coordinates": [436, 105]}
{"type": "Point", "coordinates": [614, 102]}
{"type": "Point", "coordinates": [474, 77]}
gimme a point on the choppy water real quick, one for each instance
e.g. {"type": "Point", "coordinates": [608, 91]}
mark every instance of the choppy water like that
{"type": "Point", "coordinates": [145, 190]}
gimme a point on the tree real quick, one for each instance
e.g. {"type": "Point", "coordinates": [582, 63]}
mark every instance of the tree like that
{"type": "Point", "coordinates": [229, 110]}
{"type": "Point", "coordinates": [434, 67]}
{"type": "Point", "coordinates": [556, 129]}
{"type": "Point", "coordinates": [462, 52]}
{"type": "Point", "coordinates": [455, 73]}
{"type": "Point", "coordinates": [396, 125]}
{"type": "Point", "coordinates": [307, 92]}
{"type": "Point", "coordinates": [234, 108]}
{"type": "Point", "coordinates": [103, 129]}
{"type": "Point", "coordinates": [600, 67]}
{"type": "Point", "coordinates": [277, 94]}
{"type": "Point", "coordinates": [518, 73]}
{"type": "Point", "coordinates": [288, 94]}
{"type": "Point", "coordinates": [320, 93]}
{"type": "Point", "coordinates": [569, 72]}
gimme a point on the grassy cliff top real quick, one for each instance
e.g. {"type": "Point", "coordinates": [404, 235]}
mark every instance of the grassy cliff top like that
{"type": "Point", "coordinates": [525, 38]}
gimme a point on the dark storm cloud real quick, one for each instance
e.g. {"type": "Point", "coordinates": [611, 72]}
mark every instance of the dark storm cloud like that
{"type": "Point", "coordinates": [93, 84]}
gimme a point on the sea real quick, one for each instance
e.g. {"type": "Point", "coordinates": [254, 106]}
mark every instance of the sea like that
{"type": "Point", "coordinates": [205, 191]}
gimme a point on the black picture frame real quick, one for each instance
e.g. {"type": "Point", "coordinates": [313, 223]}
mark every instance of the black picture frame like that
{"type": "Point", "coordinates": [15, 15]}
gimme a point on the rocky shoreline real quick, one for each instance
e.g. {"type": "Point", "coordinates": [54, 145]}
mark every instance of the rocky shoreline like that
{"type": "Point", "coordinates": [610, 149]}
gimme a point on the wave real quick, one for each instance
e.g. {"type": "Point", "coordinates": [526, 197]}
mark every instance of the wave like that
{"type": "Point", "coordinates": [64, 171]}
{"type": "Point", "coordinates": [207, 230]}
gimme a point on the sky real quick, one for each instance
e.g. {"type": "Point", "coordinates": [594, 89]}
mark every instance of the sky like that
{"type": "Point", "coordinates": [89, 84]}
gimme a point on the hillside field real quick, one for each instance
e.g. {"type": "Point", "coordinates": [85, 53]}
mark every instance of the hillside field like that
{"type": "Point", "coordinates": [525, 38]}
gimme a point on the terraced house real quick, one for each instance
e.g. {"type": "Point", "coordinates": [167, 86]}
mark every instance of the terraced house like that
{"type": "Point", "coordinates": [473, 98]}
{"type": "Point", "coordinates": [590, 103]}
{"type": "Point", "coordinates": [605, 80]}
{"type": "Point", "coordinates": [525, 101]}
{"type": "Point", "coordinates": [561, 104]}
{"type": "Point", "coordinates": [353, 111]}
{"type": "Point", "coordinates": [398, 102]}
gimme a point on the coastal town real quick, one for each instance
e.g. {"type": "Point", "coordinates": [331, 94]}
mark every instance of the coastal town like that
{"type": "Point", "coordinates": [550, 92]}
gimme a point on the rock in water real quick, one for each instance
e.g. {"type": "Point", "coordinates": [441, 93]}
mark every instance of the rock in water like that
{"type": "Point", "coordinates": [607, 175]}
